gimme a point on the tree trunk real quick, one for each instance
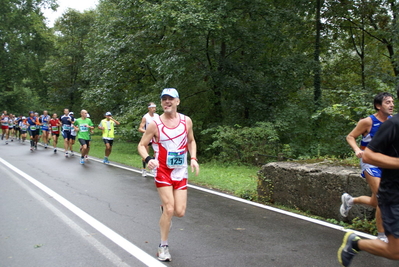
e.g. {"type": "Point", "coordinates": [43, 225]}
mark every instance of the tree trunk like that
{"type": "Point", "coordinates": [317, 71]}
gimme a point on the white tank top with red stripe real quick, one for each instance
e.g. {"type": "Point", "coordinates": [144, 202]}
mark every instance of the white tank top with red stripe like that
{"type": "Point", "coordinates": [171, 148]}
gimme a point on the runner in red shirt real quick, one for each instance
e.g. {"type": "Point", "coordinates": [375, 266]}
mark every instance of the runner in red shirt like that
{"type": "Point", "coordinates": [55, 124]}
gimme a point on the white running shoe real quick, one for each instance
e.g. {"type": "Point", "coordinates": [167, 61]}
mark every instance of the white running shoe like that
{"type": "Point", "coordinates": [345, 206]}
{"type": "Point", "coordinates": [163, 253]}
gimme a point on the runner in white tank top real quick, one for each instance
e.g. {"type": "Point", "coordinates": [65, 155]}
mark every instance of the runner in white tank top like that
{"type": "Point", "coordinates": [173, 137]}
{"type": "Point", "coordinates": [171, 152]}
{"type": "Point", "coordinates": [145, 121]}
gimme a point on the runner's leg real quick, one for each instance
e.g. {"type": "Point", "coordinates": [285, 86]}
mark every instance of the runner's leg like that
{"type": "Point", "coordinates": [108, 149]}
{"type": "Point", "coordinates": [377, 247]}
{"type": "Point", "coordinates": [168, 203]}
{"type": "Point", "coordinates": [180, 197]}
{"type": "Point", "coordinates": [374, 183]}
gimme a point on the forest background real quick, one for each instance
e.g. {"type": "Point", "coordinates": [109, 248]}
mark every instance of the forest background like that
{"type": "Point", "coordinates": [259, 77]}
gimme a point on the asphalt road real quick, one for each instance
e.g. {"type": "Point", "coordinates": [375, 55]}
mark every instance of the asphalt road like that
{"type": "Point", "coordinates": [56, 212]}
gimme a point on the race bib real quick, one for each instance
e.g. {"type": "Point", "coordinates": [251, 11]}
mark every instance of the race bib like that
{"type": "Point", "coordinates": [83, 128]}
{"type": "Point", "coordinates": [176, 159]}
{"type": "Point", "coordinates": [23, 127]}
{"type": "Point", "coordinates": [54, 128]}
{"type": "Point", "coordinates": [66, 127]}
{"type": "Point", "coordinates": [45, 124]}
{"type": "Point", "coordinates": [33, 127]}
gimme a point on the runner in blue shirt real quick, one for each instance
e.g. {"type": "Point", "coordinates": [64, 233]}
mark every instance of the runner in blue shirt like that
{"type": "Point", "coordinates": [66, 125]}
{"type": "Point", "coordinates": [33, 129]}
{"type": "Point", "coordinates": [44, 120]}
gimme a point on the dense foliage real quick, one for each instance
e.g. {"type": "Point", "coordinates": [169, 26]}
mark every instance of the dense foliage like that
{"type": "Point", "coordinates": [259, 76]}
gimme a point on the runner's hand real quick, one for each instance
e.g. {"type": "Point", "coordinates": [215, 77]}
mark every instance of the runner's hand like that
{"type": "Point", "coordinates": [359, 153]}
{"type": "Point", "coordinates": [153, 164]}
{"type": "Point", "coordinates": [194, 165]}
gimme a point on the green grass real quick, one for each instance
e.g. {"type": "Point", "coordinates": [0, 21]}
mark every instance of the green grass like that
{"type": "Point", "coordinates": [237, 180]}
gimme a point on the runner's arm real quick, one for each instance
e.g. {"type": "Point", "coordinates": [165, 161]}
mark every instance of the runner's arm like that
{"type": "Point", "coordinates": [141, 126]}
{"type": "Point", "coordinates": [91, 126]}
{"type": "Point", "coordinates": [116, 122]}
{"type": "Point", "coordinates": [145, 140]}
{"type": "Point", "coordinates": [192, 147]}
{"type": "Point", "coordinates": [76, 127]}
{"type": "Point", "coordinates": [361, 128]}
{"type": "Point", "coordinates": [380, 160]}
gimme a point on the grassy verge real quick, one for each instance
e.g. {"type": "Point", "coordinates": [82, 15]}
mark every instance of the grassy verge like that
{"type": "Point", "coordinates": [237, 180]}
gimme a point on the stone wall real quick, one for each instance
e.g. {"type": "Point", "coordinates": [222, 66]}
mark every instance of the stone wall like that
{"type": "Point", "coordinates": [316, 188]}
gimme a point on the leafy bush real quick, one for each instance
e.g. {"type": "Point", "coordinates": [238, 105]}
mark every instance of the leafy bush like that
{"type": "Point", "coordinates": [364, 225]}
{"type": "Point", "coordinates": [241, 144]}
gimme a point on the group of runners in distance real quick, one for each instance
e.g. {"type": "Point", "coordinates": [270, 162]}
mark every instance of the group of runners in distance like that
{"type": "Point", "coordinates": [47, 128]}
{"type": "Point", "coordinates": [171, 137]}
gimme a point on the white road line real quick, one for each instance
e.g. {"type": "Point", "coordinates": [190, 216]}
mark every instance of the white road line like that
{"type": "Point", "coordinates": [291, 214]}
{"type": "Point", "coordinates": [106, 231]}
{"type": "Point", "coordinates": [107, 253]}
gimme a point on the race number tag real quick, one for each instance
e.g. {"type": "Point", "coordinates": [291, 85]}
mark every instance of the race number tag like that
{"type": "Point", "coordinates": [66, 127]}
{"type": "Point", "coordinates": [176, 159]}
{"type": "Point", "coordinates": [45, 124]}
{"type": "Point", "coordinates": [83, 128]}
{"type": "Point", "coordinates": [54, 128]}
{"type": "Point", "coordinates": [33, 128]}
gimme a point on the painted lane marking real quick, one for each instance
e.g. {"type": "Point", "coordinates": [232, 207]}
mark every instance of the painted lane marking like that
{"type": "Point", "coordinates": [263, 206]}
{"type": "Point", "coordinates": [107, 253]}
{"type": "Point", "coordinates": [288, 213]}
{"type": "Point", "coordinates": [106, 231]}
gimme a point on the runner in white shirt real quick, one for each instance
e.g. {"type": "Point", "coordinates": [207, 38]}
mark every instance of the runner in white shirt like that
{"type": "Point", "coordinates": [4, 126]}
{"type": "Point", "coordinates": [172, 137]}
{"type": "Point", "coordinates": [73, 135]}
{"type": "Point", "coordinates": [145, 121]}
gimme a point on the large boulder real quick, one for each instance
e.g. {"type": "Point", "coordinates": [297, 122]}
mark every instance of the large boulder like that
{"type": "Point", "coordinates": [315, 188]}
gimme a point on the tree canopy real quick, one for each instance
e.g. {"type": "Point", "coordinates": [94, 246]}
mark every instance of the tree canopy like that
{"type": "Point", "coordinates": [301, 71]}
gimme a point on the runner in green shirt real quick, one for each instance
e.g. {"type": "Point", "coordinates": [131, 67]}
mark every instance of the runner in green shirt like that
{"type": "Point", "coordinates": [84, 126]}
